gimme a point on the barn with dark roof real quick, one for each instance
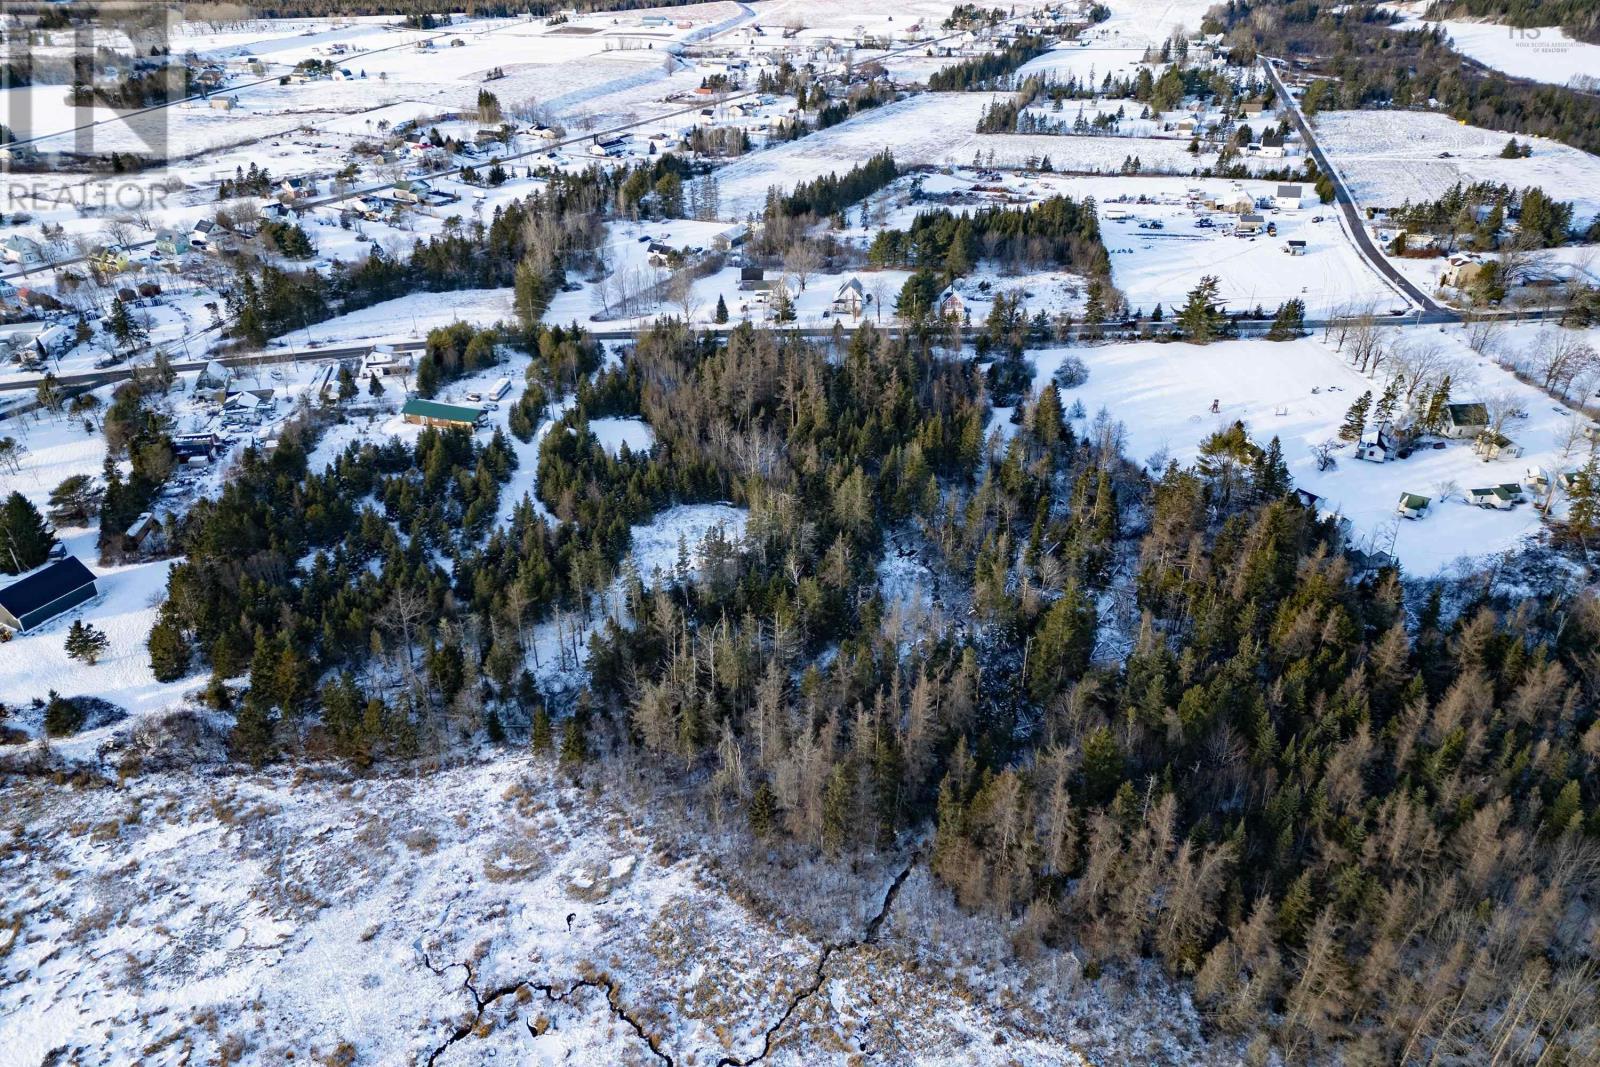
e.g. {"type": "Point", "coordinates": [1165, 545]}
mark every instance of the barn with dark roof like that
{"type": "Point", "coordinates": [46, 593]}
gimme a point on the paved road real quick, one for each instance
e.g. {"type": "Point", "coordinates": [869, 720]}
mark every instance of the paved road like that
{"type": "Point", "coordinates": [1352, 211]}
{"type": "Point", "coordinates": [291, 355]}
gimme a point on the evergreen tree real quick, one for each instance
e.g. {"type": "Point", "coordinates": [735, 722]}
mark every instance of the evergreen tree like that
{"type": "Point", "coordinates": [1289, 322]}
{"type": "Point", "coordinates": [1383, 413]}
{"type": "Point", "coordinates": [1060, 650]}
{"type": "Point", "coordinates": [541, 737]}
{"type": "Point", "coordinates": [63, 716]}
{"type": "Point", "coordinates": [722, 309]}
{"type": "Point", "coordinates": [169, 649]}
{"type": "Point", "coordinates": [1048, 425]}
{"type": "Point", "coordinates": [374, 386]}
{"type": "Point", "coordinates": [574, 747]}
{"type": "Point", "coordinates": [125, 327]}
{"type": "Point", "coordinates": [253, 728]}
{"type": "Point", "coordinates": [1434, 410]}
{"type": "Point", "coordinates": [1583, 502]}
{"type": "Point", "coordinates": [763, 813]}
{"type": "Point", "coordinates": [1202, 319]}
{"type": "Point", "coordinates": [86, 643]}
{"type": "Point", "coordinates": [1355, 418]}
{"type": "Point", "coordinates": [427, 376]}
{"type": "Point", "coordinates": [347, 384]}
{"type": "Point", "coordinates": [25, 540]}
{"type": "Point", "coordinates": [1271, 473]}
{"type": "Point", "coordinates": [76, 500]}
{"type": "Point", "coordinates": [1102, 764]}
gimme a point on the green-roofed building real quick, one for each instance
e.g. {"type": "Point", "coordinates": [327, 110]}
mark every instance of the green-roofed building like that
{"type": "Point", "coordinates": [435, 413]}
{"type": "Point", "coordinates": [1412, 505]}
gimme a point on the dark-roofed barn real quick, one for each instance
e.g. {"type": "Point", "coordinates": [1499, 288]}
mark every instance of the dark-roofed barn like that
{"type": "Point", "coordinates": [46, 593]}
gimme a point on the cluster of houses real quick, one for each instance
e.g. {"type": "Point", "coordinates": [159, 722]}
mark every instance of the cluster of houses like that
{"type": "Point", "coordinates": [1471, 420]}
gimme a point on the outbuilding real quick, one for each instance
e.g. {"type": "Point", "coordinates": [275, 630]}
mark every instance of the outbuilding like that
{"type": "Point", "coordinates": [46, 593]}
{"type": "Point", "coordinates": [435, 413]}
{"type": "Point", "coordinates": [1412, 506]}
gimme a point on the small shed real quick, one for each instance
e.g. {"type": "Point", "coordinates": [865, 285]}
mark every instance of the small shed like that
{"type": "Point", "coordinates": [46, 593]}
{"type": "Point", "coordinates": [1412, 506]}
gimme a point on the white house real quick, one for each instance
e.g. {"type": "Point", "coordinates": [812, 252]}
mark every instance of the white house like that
{"type": "Point", "coordinates": [1498, 497]}
{"type": "Point", "coordinates": [850, 298]}
{"type": "Point", "coordinates": [1412, 506]}
{"type": "Point", "coordinates": [1272, 146]}
{"type": "Point", "coordinates": [1464, 420]}
{"type": "Point", "coordinates": [23, 251]}
{"type": "Point", "coordinates": [1287, 198]}
{"type": "Point", "coordinates": [385, 362]}
{"type": "Point", "coordinates": [1380, 449]}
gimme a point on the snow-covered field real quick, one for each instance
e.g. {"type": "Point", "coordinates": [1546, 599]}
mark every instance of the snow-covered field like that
{"type": "Point", "coordinates": [1389, 157]}
{"type": "Point", "coordinates": [1299, 391]}
{"type": "Point", "coordinates": [1161, 266]}
{"type": "Point", "coordinates": [1537, 53]}
{"type": "Point", "coordinates": [938, 129]}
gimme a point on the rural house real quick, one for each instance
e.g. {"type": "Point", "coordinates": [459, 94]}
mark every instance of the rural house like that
{"type": "Point", "coordinates": [1499, 497]}
{"type": "Point", "coordinates": [46, 593]}
{"type": "Point", "coordinates": [850, 297]}
{"type": "Point", "coordinates": [1464, 420]}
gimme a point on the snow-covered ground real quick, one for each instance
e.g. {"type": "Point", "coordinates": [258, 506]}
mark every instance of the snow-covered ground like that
{"type": "Point", "coordinates": [1537, 53]}
{"type": "Point", "coordinates": [613, 434]}
{"type": "Point", "coordinates": [939, 129]}
{"type": "Point", "coordinates": [491, 913]}
{"type": "Point", "coordinates": [1299, 391]}
{"type": "Point", "coordinates": [1160, 266]}
{"type": "Point", "coordinates": [1390, 157]}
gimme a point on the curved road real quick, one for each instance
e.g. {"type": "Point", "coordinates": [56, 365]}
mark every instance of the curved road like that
{"type": "Point", "coordinates": [1432, 310]}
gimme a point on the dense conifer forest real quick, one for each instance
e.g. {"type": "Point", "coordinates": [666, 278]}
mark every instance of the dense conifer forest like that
{"type": "Point", "coordinates": [1149, 717]}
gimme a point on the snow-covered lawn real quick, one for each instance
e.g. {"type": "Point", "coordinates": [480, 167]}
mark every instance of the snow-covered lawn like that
{"type": "Point", "coordinates": [1160, 266]}
{"type": "Point", "coordinates": [1298, 391]}
{"type": "Point", "coordinates": [614, 433]}
{"type": "Point", "coordinates": [34, 663]}
{"type": "Point", "coordinates": [411, 317]}
{"type": "Point", "coordinates": [1389, 157]}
